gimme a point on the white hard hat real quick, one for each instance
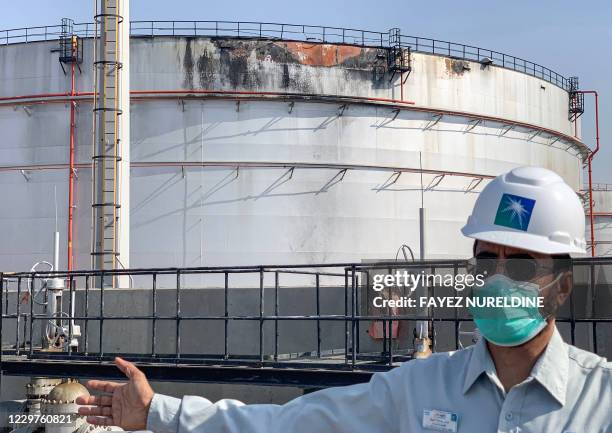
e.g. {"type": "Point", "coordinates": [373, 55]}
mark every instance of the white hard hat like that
{"type": "Point", "coordinates": [529, 208]}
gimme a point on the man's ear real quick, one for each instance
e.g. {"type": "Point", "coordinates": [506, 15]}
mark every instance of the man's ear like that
{"type": "Point", "coordinates": [565, 285]}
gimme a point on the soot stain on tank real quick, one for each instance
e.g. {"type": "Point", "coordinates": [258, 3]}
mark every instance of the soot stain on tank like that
{"type": "Point", "coordinates": [224, 53]}
{"type": "Point", "coordinates": [206, 70]}
{"type": "Point", "coordinates": [188, 64]}
{"type": "Point", "coordinates": [274, 52]}
{"type": "Point", "coordinates": [237, 63]}
{"type": "Point", "coordinates": [456, 67]}
{"type": "Point", "coordinates": [294, 79]}
{"type": "Point", "coordinates": [364, 59]}
{"type": "Point", "coordinates": [301, 80]}
{"type": "Point", "coordinates": [238, 70]}
{"type": "Point", "coordinates": [286, 79]}
{"type": "Point", "coordinates": [243, 70]}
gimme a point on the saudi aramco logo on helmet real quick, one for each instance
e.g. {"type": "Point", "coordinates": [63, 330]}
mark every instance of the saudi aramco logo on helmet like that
{"type": "Point", "coordinates": [514, 212]}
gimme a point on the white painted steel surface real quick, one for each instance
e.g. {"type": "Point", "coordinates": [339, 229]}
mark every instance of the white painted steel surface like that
{"type": "Point", "coordinates": [190, 216]}
{"type": "Point", "coordinates": [602, 209]}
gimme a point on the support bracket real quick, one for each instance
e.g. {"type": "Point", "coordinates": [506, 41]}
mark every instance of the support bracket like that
{"type": "Point", "coordinates": [534, 135]}
{"type": "Point", "coordinates": [435, 182]}
{"type": "Point", "coordinates": [396, 113]}
{"type": "Point", "coordinates": [505, 129]}
{"type": "Point", "coordinates": [472, 124]}
{"type": "Point", "coordinates": [433, 121]}
{"type": "Point", "coordinates": [473, 184]}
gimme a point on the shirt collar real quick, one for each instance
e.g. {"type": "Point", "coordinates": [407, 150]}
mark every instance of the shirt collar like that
{"type": "Point", "coordinates": [550, 370]}
{"type": "Point", "coordinates": [480, 362]}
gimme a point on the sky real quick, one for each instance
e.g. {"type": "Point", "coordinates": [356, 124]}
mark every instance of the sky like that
{"type": "Point", "coordinates": [570, 38]}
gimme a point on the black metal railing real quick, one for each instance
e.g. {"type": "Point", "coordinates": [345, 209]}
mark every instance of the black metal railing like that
{"type": "Point", "coordinates": [598, 187]}
{"type": "Point", "coordinates": [297, 32]}
{"type": "Point", "coordinates": [305, 318]}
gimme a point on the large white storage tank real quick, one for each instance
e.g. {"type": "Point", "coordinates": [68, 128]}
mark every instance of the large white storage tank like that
{"type": "Point", "coordinates": [602, 219]}
{"type": "Point", "coordinates": [260, 151]}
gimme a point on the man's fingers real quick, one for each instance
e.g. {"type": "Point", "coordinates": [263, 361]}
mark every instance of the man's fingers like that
{"type": "Point", "coordinates": [100, 420]}
{"type": "Point", "coordinates": [103, 385]}
{"type": "Point", "coordinates": [127, 368]}
{"type": "Point", "coordinates": [97, 400]}
{"type": "Point", "coordinates": [103, 411]}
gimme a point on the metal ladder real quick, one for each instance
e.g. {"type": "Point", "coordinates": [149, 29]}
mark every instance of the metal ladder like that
{"type": "Point", "coordinates": [399, 56]}
{"type": "Point", "coordinates": [106, 154]}
{"type": "Point", "coordinates": [576, 100]}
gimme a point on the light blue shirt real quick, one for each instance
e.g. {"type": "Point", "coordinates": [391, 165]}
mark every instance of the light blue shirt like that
{"type": "Point", "coordinates": [568, 391]}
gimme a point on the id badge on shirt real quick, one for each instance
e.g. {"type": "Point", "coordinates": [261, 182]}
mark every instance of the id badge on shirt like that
{"type": "Point", "coordinates": [440, 420]}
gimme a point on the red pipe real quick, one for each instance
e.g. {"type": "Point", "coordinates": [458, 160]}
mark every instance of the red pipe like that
{"type": "Point", "coordinates": [253, 93]}
{"type": "Point", "coordinates": [576, 127]}
{"type": "Point", "coordinates": [589, 161]}
{"type": "Point", "coordinates": [186, 93]}
{"type": "Point", "coordinates": [42, 95]}
{"type": "Point", "coordinates": [195, 92]}
{"type": "Point", "coordinates": [144, 94]}
{"type": "Point", "coordinates": [71, 167]}
{"type": "Point", "coordinates": [269, 164]}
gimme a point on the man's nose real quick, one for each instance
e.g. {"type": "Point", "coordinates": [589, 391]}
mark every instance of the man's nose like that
{"type": "Point", "coordinates": [500, 266]}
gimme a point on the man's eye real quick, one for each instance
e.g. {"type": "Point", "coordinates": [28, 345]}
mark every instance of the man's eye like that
{"type": "Point", "coordinates": [486, 256]}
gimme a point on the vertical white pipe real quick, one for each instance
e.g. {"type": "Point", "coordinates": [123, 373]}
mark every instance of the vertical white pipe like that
{"type": "Point", "coordinates": [56, 239]}
{"type": "Point", "coordinates": [123, 231]}
{"type": "Point", "coordinates": [54, 290]}
{"type": "Point", "coordinates": [422, 326]}
{"type": "Point", "coordinates": [422, 232]}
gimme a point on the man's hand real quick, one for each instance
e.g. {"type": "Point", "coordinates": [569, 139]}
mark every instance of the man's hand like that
{"type": "Point", "coordinates": [124, 405]}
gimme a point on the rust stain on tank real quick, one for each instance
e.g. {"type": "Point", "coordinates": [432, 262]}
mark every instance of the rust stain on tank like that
{"type": "Point", "coordinates": [322, 54]}
{"type": "Point", "coordinates": [456, 67]}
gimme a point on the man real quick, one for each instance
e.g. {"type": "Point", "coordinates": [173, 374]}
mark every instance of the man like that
{"type": "Point", "coordinates": [521, 377]}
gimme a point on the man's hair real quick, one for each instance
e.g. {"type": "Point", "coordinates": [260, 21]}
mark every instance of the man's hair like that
{"type": "Point", "coordinates": [562, 263]}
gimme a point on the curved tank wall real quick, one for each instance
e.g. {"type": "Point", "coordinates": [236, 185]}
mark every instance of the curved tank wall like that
{"type": "Point", "coordinates": [255, 152]}
{"type": "Point", "coordinates": [602, 217]}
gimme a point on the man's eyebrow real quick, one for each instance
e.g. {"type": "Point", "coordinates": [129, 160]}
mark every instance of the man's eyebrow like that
{"type": "Point", "coordinates": [521, 256]}
{"type": "Point", "coordinates": [486, 253]}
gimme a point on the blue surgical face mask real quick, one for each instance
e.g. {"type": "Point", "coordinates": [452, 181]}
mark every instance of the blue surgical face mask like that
{"type": "Point", "coordinates": [509, 326]}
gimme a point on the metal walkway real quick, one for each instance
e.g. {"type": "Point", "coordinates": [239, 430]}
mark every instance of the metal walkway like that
{"type": "Point", "coordinates": [327, 307]}
{"type": "Point", "coordinates": [300, 32]}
